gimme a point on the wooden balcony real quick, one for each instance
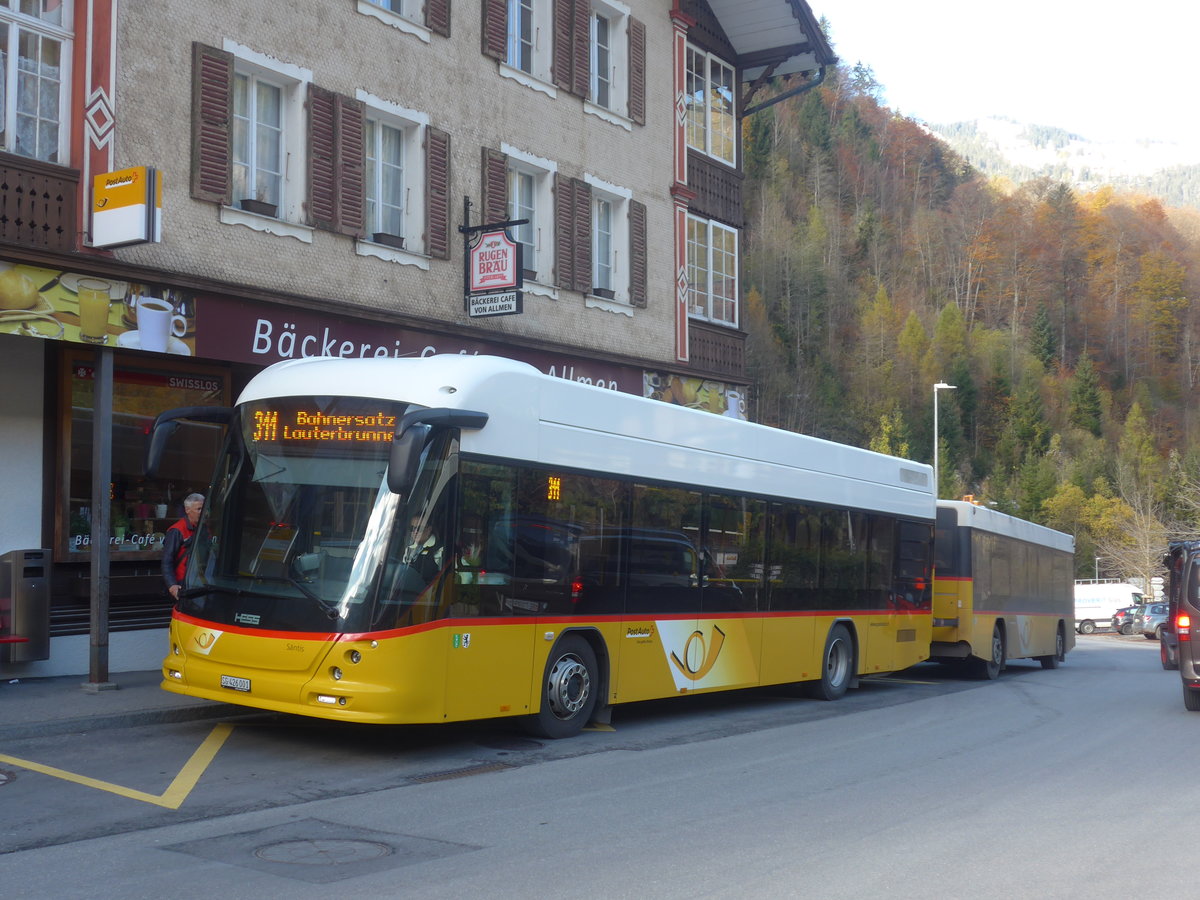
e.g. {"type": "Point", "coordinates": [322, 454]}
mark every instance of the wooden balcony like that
{"type": "Point", "coordinates": [716, 350]}
{"type": "Point", "coordinates": [718, 190]}
{"type": "Point", "coordinates": [39, 204]}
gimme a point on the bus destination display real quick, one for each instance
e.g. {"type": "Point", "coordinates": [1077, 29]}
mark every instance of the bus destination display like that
{"type": "Point", "coordinates": [309, 427]}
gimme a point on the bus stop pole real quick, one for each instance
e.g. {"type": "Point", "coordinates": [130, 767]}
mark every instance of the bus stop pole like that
{"type": "Point", "coordinates": [102, 410]}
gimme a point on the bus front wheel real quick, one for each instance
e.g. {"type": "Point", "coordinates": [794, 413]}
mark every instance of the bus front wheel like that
{"type": "Point", "coordinates": [568, 690]}
{"type": "Point", "coordinates": [837, 666]}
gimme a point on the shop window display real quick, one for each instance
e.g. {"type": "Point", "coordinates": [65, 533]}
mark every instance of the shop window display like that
{"type": "Point", "coordinates": [141, 509]}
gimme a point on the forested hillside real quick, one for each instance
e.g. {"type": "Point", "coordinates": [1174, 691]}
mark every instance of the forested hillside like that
{"type": "Point", "coordinates": [877, 263]}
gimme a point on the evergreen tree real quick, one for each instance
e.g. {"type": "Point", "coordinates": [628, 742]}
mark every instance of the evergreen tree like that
{"type": "Point", "coordinates": [1085, 397]}
{"type": "Point", "coordinates": [1041, 339]}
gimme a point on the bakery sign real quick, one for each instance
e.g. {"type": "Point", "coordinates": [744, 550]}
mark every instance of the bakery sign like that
{"type": "Point", "coordinates": [494, 274]}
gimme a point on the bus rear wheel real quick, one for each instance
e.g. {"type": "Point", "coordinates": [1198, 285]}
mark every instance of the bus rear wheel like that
{"type": "Point", "coordinates": [989, 669]}
{"type": "Point", "coordinates": [837, 666]}
{"type": "Point", "coordinates": [568, 690]}
{"type": "Point", "coordinates": [1059, 654]}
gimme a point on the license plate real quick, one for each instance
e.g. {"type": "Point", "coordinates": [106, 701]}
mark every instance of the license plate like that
{"type": "Point", "coordinates": [235, 683]}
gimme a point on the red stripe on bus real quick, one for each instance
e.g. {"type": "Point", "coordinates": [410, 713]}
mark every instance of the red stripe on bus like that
{"type": "Point", "coordinates": [472, 623]}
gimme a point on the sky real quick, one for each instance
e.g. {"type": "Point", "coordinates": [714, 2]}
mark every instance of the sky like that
{"type": "Point", "coordinates": [1103, 69]}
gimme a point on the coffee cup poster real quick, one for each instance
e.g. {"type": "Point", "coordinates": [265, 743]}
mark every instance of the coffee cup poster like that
{"type": "Point", "coordinates": [71, 306]}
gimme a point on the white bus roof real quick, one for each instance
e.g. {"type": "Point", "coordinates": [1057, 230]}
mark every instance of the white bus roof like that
{"type": "Point", "coordinates": [555, 422]}
{"type": "Point", "coordinates": [984, 518]}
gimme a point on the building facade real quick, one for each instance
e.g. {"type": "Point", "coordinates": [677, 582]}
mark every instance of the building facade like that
{"type": "Point", "coordinates": [301, 179]}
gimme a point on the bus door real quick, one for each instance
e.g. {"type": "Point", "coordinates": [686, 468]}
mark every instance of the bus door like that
{"type": "Point", "coordinates": [662, 648]}
{"type": "Point", "coordinates": [732, 576]}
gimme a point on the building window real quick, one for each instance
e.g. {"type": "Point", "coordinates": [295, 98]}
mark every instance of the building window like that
{"type": "Point", "coordinates": [522, 192]}
{"type": "Point", "coordinates": [35, 53]}
{"type": "Point", "coordinates": [257, 143]}
{"type": "Point", "coordinates": [604, 261]}
{"type": "Point", "coordinates": [712, 271]}
{"type": "Point", "coordinates": [617, 244]}
{"type": "Point", "coordinates": [520, 34]}
{"type": "Point", "coordinates": [610, 58]}
{"type": "Point", "coordinates": [385, 179]}
{"type": "Point", "coordinates": [711, 127]}
{"type": "Point", "coordinates": [602, 64]}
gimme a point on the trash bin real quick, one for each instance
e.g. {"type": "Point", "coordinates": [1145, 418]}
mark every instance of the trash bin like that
{"type": "Point", "coordinates": [24, 606]}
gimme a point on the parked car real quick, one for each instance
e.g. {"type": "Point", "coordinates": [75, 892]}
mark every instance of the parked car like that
{"type": "Point", "coordinates": [1150, 619]}
{"type": "Point", "coordinates": [1122, 619]}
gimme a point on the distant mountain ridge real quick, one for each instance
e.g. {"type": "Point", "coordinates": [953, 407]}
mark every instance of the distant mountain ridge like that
{"type": "Point", "coordinates": [1021, 152]}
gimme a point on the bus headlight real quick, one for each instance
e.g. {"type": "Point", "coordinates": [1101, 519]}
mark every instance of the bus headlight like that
{"type": "Point", "coordinates": [336, 672]}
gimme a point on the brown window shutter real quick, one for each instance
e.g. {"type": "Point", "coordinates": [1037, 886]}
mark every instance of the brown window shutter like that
{"type": "Point", "coordinates": [564, 15]}
{"type": "Point", "coordinates": [581, 49]}
{"type": "Point", "coordinates": [437, 193]}
{"type": "Point", "coordinates": [495, 28]}
{"type": "Point", "coordinates": [350, 157]}
{"type": "Point", "coordinates": [637, 71]}
{"type": "Point", "coordinates": [564, 233]}
{"type": "Point", "coordinates": [495, 186]}
{"type": "Point", "coordinates": [437, 16]}
{"type": "Point", "coordinates": [322, 167]}
{"type": "Point", "coordinates": [212, 117]}
{"type": "Point", "coordinates": [583, 237]}
{"type": "Point", "coordinates": [637, 254]}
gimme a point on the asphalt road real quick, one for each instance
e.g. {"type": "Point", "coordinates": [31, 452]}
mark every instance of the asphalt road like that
{"type": "Point", "coordinates": [918, 786]}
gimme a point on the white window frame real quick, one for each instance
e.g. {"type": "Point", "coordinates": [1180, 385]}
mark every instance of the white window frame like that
{"type": "Point", "coordinates": [708, 259]}
{"type": "Point", "coordinates": [414, 126]}
{"type": "Point", "coordinates": [403, 15]}
{"type": "Point", "coordinates": [617, 200]}
{"type": "Point", "coordinates": [539, 74]}
{"type": "Point", "coordinates": [19, 23]}
{"type": "Point", "coordinates": [541, 226]}
{"type": "Point", "coordinates": [700, 114]}
{"type": "Point", "coordinates": [293, 81]}
{"type": "Point", "coordinates": [617, 108]}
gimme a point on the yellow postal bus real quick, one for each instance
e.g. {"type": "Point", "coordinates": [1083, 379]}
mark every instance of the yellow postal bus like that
{"type": "Point", "coordinates": [455, 537]}
{"type": "Point", "coordinates": [1003, 589]}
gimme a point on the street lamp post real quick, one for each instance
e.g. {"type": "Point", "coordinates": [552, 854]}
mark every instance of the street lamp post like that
{"type": "Point", "coordinates": [940, 386]}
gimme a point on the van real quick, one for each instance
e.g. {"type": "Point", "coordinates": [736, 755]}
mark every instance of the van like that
{"type": "Point", "coordinates": [1097, 600]}
{"type": "Point", "coordinates": [1183, 617]}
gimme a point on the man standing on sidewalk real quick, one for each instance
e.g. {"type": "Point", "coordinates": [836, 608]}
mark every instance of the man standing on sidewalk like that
{"type": "Point", "coordinates": [177, 544]}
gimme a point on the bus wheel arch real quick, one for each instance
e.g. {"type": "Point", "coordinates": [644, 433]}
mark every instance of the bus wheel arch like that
{"type": "Point", "coordinates": [572, 686]}
{"type": "Point", "coordinates": [839, 664]}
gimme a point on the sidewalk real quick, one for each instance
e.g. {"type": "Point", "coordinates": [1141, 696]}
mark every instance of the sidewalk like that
{"type": "Point", "coordinates": [35, 707]}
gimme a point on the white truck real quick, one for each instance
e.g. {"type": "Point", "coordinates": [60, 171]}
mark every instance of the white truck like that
{"type": "Point", "coordinates": [1097, 600]}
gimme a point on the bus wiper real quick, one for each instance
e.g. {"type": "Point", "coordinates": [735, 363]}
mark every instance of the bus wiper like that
{"type": "Point", "coordinates": [328, 608]}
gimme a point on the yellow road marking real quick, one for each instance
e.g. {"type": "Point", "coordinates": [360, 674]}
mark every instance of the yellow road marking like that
{"type": "Point", "coordinates": [171, 798]}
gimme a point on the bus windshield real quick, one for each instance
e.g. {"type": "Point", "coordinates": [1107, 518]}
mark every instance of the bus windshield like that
{"type": "Point", "coordinates": [296, 532]}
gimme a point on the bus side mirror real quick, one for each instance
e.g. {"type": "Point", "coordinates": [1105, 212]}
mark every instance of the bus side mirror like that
{"type": "Point", "coordinates": [405, 458]}
{"type": "Point", "coordinates": [413, 433]}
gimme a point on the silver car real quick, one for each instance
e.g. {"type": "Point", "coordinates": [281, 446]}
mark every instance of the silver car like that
{"type": "Point", "coordinates": [1149, 620]}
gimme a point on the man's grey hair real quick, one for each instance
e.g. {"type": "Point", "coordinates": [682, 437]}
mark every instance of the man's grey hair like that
{"type": "Point", "coordinates": [193, 500]}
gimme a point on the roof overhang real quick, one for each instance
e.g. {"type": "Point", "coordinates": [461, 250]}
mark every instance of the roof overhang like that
{"type": "Point", "coordinates": [782, 34]}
